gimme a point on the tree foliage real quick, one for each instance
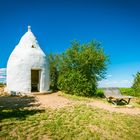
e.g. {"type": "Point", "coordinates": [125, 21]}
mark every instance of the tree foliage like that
{"type": "Point", "coordinates": [136, 82]}
{"type": "Point", "coordinates": [73, 82]}
{"type": "Point", "coordinates": [81, 67]}
{"type": "Point", "coordinates": [54, 63]}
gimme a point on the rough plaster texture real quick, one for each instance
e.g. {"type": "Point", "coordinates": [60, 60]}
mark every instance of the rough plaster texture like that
{"type": "Point", "coordinates": [26, 56]}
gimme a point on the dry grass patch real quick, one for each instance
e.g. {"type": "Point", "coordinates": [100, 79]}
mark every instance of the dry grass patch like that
{"type": "Point", "coordinates": [77, 122]}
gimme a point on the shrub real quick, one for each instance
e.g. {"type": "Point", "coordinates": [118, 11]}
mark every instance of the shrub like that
{"type": "Point", "coordinates": [54, 62]}
{"type": "Point", "coordinates": [130, 92]}
{"type": "Point", "coordinates": [136, 84]}
{"type": "Point", "coordinates": [99, 93]}
{"type": "Point", "coordinates": [81, 67]}
{"type": "Point", "coordinates": [73, 82]}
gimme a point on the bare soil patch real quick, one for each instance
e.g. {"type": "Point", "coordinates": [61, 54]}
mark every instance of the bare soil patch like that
{"type": "Point", "coordinates": [1, 89]}
{"type": "Point", "coordinates": [55, 101]}
{"type": "Point", "coordinates": [111, 108]}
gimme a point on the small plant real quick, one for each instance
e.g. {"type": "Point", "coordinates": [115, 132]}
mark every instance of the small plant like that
{"type": "Point", "coordinates": [2, 84]}
{"type": "Point", "coordinates": [99, 93]}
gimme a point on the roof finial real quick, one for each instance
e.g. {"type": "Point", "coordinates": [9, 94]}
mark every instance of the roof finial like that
{"type": "Point", "coordinates": [29, 28]}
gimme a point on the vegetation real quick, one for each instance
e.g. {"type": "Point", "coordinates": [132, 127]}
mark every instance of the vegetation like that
{"type": "Point", "coordinates": [54, 70]}
{"type": "Point", "coordinates": [99, 93]}
{"type": "Point", "coordinates": [77, 122]}
{"type": "Point", "coordinates": [21, 118]}
{"type": "Point", "coordinates": [135, 90]}
{"type": "Point", "coordinates": [78, 70]}
{"type": "Point", "coordinates": [136, 83]}
{"type": "Point", "coordinates": [98, 96]}
{"type": "Point", "coordinates": [81, 67]}
{"type": "Point", "coordinates": [2, 84]}
{"type": "Point", "coordinates": [130, 92]}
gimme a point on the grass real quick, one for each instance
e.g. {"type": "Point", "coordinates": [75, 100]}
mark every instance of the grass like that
{"type": "Point", "coordinates": [21, 119]}
{"type": "Point", "coordinates": [135, 102]}
{"type": "Point", "coordinates": [98, 96]}
{"type": "Point", "coordinates": [76, 98]}
{"type": "Point", "coordinates": [79, 122]}
{"type": "Point", "coordinates": [128, 91]}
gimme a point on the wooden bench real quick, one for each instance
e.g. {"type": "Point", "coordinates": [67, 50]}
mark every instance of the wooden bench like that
{"type": "Point", "coordinates": [114, 96]}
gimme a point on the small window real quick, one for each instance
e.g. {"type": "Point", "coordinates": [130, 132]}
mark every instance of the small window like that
{"type": "Point", "coordinates": [33, 46]}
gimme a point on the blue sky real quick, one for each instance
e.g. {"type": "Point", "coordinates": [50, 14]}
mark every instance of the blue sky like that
{"type": "Point", "coordinates": [115, 23]}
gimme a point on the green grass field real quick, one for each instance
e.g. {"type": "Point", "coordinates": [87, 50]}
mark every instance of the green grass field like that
{"type": "Point", "coordinates": [78, 122]}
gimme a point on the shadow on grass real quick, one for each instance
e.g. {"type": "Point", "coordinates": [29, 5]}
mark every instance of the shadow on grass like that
{"type": "Point", "coordinates": [19, 114]}
{"type": "Point", "coordinates": [18, 107]}
{"type": "Point", "coordinates": [17, 102]}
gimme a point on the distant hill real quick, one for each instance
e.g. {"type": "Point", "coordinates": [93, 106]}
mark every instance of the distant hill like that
{"type": "Point", "coordinates": [2, 75]}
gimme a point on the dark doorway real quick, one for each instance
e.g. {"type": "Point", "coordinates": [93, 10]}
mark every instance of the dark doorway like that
{"type": "Point", "coordinates": [35, 80]}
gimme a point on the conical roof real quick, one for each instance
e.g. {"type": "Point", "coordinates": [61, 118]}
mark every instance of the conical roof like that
{"type": "Point", "coordinates": [28, 40]}
{"type": "Point", "coordinates": [28, 44]}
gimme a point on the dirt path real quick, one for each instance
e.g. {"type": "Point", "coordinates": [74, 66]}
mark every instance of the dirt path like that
{"type": "Point", "coordinates": [127, 109]}
{"type": "Point", "coordinates": [55, 101]}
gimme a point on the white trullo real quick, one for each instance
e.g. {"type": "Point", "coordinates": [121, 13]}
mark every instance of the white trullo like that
{"type": "Point", "coordinates": [27, 67]}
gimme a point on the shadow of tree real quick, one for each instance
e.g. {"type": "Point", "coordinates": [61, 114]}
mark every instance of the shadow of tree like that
{"type": "Point", "coordinates": [16, 102]}
{"type": "Point", "coordinates": [18, 107]}
{"type": "Point", "coordinates": [19, 114]}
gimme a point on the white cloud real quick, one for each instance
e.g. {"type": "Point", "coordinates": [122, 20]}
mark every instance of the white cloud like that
{"type": "Point", "coordinates": [109, 75]}
{"type": "Point", "coordinates": [115, 83]}
{"type": "Point", "coordinates": [124, 81]}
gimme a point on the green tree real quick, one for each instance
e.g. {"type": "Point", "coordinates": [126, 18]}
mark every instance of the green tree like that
{"type": "Point", "coordinates": [81, 67]}
{"type": "Point", "coordinates": [136, 82]}
{"type": "Point", "coordinates": [54, 63]}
